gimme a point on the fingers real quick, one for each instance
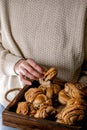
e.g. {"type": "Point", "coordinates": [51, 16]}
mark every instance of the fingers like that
{"type": "Point", "coordinates": [24, 80]}
{"type": "Point", "coordinates": [37, 67]}
{"type": "Point", "coordinates": [26, 73]}
{"type": "Point", "coordinates": [30, 69]}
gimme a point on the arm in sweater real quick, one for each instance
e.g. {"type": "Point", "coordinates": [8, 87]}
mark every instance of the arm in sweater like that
{"type": "Point", "coordinates": [7, 60]}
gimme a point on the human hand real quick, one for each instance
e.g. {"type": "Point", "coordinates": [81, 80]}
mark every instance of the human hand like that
{"type": "Point", "coordinates": [29, 70]}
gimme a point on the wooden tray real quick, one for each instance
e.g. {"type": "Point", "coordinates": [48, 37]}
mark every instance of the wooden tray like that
{"type": "Point", "coordinates": [12, 119]}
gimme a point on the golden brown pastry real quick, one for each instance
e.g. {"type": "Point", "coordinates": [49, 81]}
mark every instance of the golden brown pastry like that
{"type": "Point", "coordinates": [73, 112]}
{"type": "Point", "coordinates": [41, 98]}
{"type": "Point", "coordinates": [31, 94]}
{"type": "Point", "coordinates": [22, 108]}
{"type": "Point", "coordinates": [70, 117]}
{"type": "Point", "coordinates": [44, 111]}
{"type": "Point", "coordinates": [72, 90]}
{"type": "Point", "coordinates": [50, 74]}
{"type": "Point", "coordinates": [41, 113]}
{"type": "Point", "coordinates": [62, 97]}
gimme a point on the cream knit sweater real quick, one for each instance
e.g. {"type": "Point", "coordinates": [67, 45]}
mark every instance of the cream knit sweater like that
{"type": "Point", "coordinates": [52, 32]}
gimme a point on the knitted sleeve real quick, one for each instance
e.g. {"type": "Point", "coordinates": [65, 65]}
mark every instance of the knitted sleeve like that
{"type": "Point", "coordinates": [7, 60]}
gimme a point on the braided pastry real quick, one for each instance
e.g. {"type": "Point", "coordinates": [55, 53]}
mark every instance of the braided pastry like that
{"type": "Point", "coordinates": [50, 74]}
{"type": "Point", "coordinates": [72, 90]}
{"type": "Point", "coordinates": [48, 77]}
{"type": "Point", "coordinates": [32, 93]}
{"type": "Point", "coordinates": [44, 111]}
{"type": "Point", "coordinates": [73, 112]}
{"type": "Point", "coordinates": [70, 117]}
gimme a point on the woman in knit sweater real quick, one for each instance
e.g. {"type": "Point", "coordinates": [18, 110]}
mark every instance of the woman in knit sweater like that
{"type": "Point", "coordinates": [41, 33]}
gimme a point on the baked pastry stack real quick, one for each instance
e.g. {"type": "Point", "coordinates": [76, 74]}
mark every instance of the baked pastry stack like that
{"type": "Point", "coordinates": [50, 87]}
{"type": "Point", "coordinates": [75, 107]}
{"type": "Point", "coordinates": [70, 100]}
{"type": "Point", "coordinates": [39, 101]}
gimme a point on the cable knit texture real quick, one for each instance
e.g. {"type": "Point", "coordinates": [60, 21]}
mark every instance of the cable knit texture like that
{"type": "Point", "coordinates": [52, 32]}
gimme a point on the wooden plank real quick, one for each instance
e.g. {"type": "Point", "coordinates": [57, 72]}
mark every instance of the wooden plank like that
{"type": "Point", "coordinates": [19, 121]}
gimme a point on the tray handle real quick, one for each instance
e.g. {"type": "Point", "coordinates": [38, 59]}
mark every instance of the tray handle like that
{"type": "Point", "coordinates": [9, 91]}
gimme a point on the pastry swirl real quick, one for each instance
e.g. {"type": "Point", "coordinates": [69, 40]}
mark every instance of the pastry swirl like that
{"type": "Point", "coordinates": [50, 74]}
{"type": "Point", "coordinates": [44, 111]}
{"type": "Point", "coordinates": [73, 112]}
{"type": "Point", "coordinates": [32, 93]}
{"type": "Point", "coordinates": [72, 91]}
